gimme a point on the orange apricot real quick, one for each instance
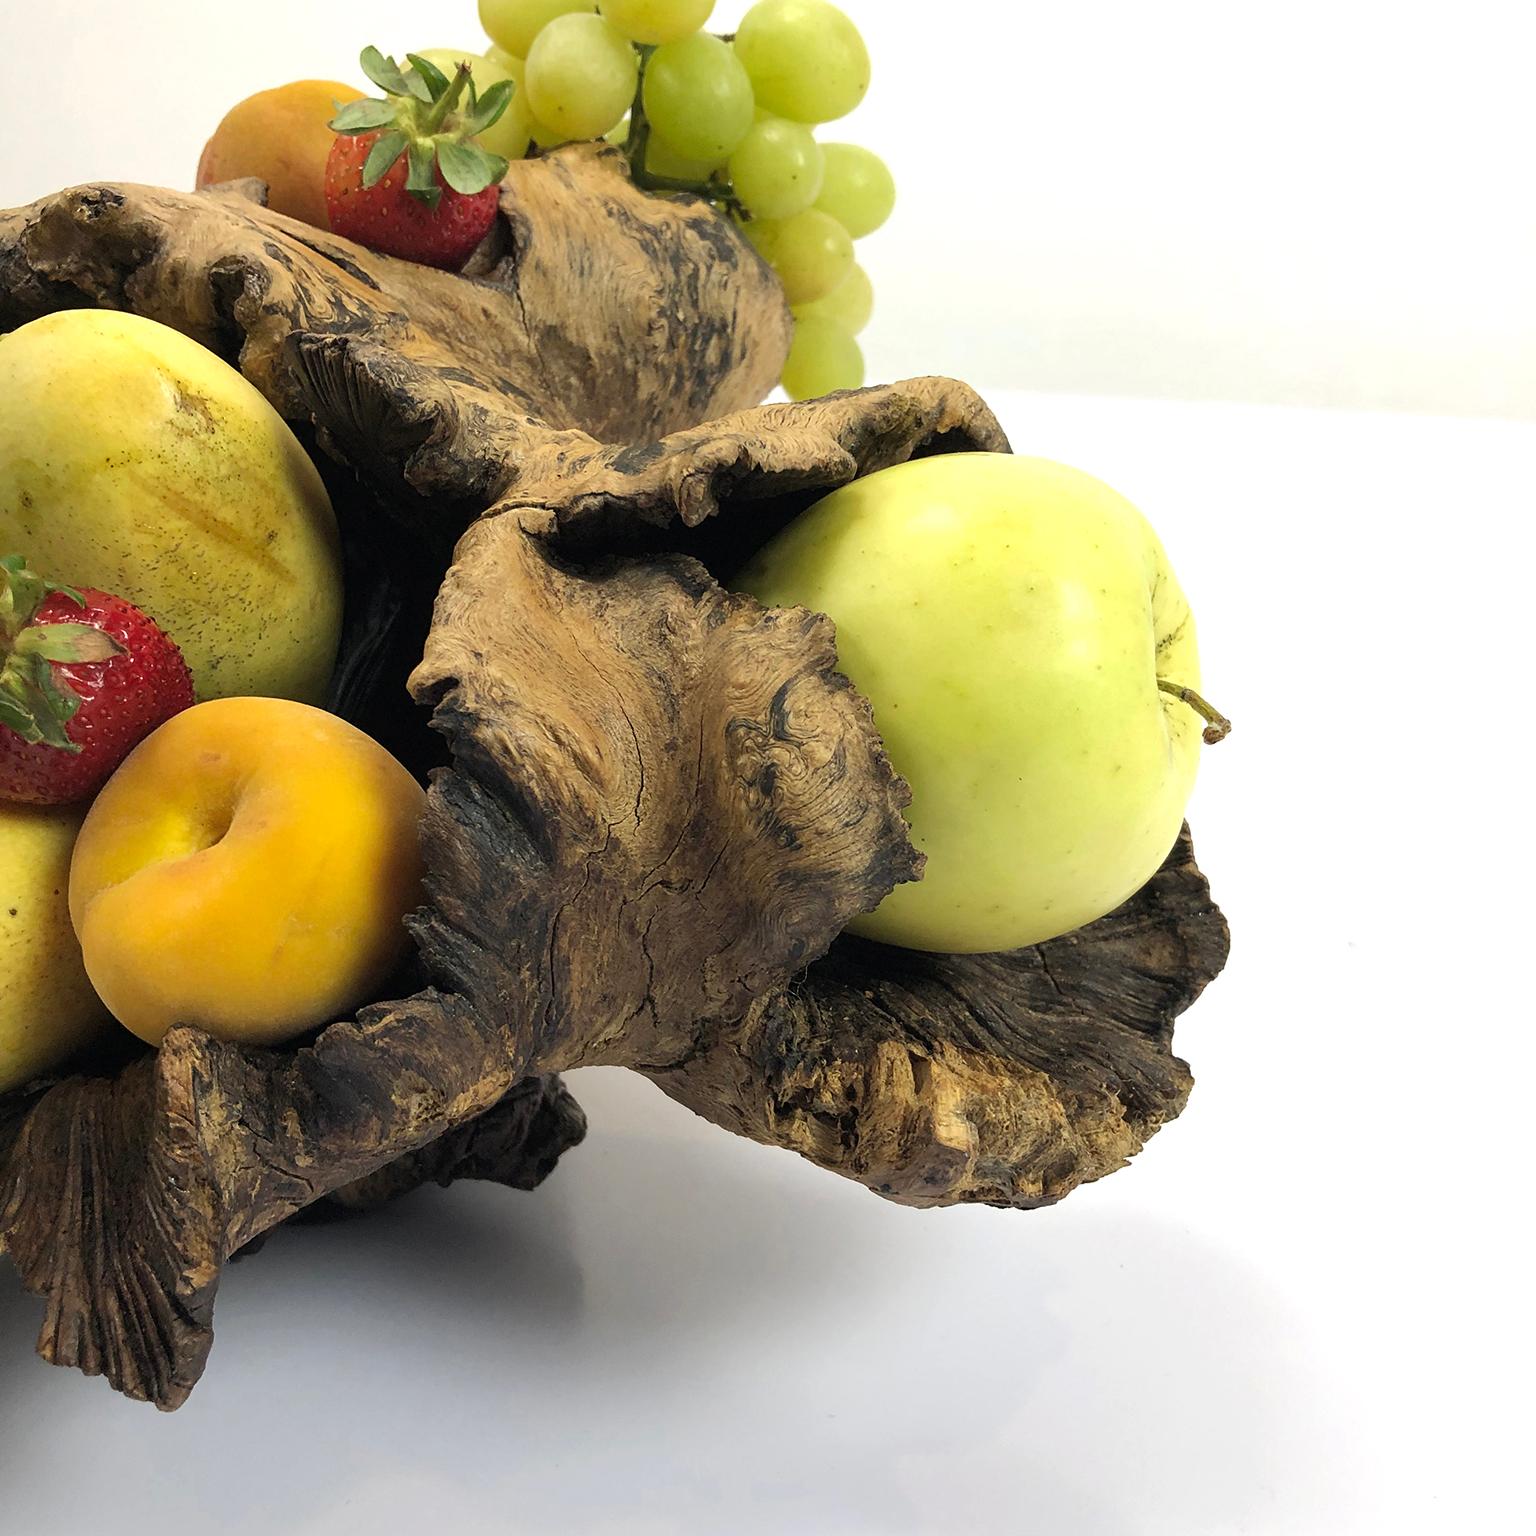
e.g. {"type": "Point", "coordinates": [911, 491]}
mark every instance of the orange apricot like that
{"type": "Point", "coordinates": [282, 137]}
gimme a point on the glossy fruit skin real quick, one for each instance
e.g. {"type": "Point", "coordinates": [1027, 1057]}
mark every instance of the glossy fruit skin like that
{"type": "Point", "coordinates": [1008, 620]}
{"type": "Point", "coordinates": [850, 305]}
{"type": "Point", "coordinates": [810, 251]}
{"type": "Point", "coordinates": [662, 160]}
{"type": "Point", "coordinates": [142, 464]}
{"type": "Point", "coordinates": [247, 870]}
{"type": "Point", "coordinates": [281, 137]}
{"type": "Point", "coordinates": [806, 59]}
{"type": "Point", "coordinates": [387, 219]}
{"type": "Point", "coordinates": [823, 358]}
{"type": "Point", "coordinates": [580, 76]}
{"type": "Point", "coordinates": [776, 170]}
{"type": "Point", "coordinates": [513, 24]}
{"type": "Point", "coordinates": [698, 97]}
{"type": "Point", "coordinates": [122, 700]}
{"type": "Point", "coordinates": [857, 188]}
{"type": "Point", "coordinates": [48, 1008]}
{"type": "Point", "coordinates": [643, 21]}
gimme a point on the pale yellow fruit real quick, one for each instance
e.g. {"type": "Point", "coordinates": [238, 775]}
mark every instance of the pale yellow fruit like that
{"type": "Point", "coordinates": [138, 462]}
{"type": "Point", "coordinates": [48, 1008]}
{"type": "Point", "coordinates": [1012, 621]}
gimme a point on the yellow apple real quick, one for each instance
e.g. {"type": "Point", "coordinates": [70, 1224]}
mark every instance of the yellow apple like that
{"type": "Point", "coordinates": [1016, 627]}
{"type": "Point", "coordinates": [247, 870]}
{"type": "Point", "coordinates": [48, 1009]}
{"type": "Point", "coordinates": [138, 462]}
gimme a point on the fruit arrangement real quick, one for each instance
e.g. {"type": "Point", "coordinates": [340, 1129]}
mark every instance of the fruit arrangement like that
{"type": "Point", "coordinates": [825, 763]}
{"type": "Point", "coordinates": [727, 119]}
{"type": "Point", "coordinates": [188, 899]}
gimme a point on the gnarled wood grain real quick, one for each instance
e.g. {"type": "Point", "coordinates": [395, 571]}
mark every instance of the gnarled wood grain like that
{"type": "Point", "coordinates": [663, 805]}
{"type": "Point", "coordinates": [995, 1079]}
{"type": "Point", "coordinates": [677, 319]}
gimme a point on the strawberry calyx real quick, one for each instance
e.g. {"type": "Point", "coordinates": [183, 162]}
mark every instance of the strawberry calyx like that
{"type": "Point", "coordinates": [35, 703]}
{"type": "Point", "coordinates": [429, 119]}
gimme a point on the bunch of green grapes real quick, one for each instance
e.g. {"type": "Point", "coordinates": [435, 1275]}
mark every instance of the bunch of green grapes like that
{"type": "Point", "coordinates": [727, 118]}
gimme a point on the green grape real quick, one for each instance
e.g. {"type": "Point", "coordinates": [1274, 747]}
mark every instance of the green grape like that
{"type": "Point", "coordinates": [811, 252]}
{"type": "Point", "coordinates": [581, 76]}
{"type": "Point", "coordinates": [857, 190]}
{"type": "Point", "coordinates": [776, 170]}
{"type": "Point", "coordinates": [848, 306]}
{"type": "Point", "coordinates": [698, 97]}
{"type": "Point", "coordinates": [822, 357]}
{"type": "Point", "coordinates": [544, 136]}
{"type": "Point", "coordinates": [805, 59]}
{"type": "Point", "coordinates": [513, 24]}
{"type": "Point", "coordinates": [520, 112]}
{"type": "Point", "coordinates": [508, 136]}
{"type": "Point", "coordinates": [661, 159]}
{"type": "Point", "coordinates": [656, 21]}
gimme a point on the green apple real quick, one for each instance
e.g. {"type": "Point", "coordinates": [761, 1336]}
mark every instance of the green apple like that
{"type": "Point", "coordinates": [1031, 663]}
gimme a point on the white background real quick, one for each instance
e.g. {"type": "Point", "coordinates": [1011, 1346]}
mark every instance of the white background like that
{"type": "Point", "coordinates": [1321, 201]}
{"type": "Point", "coordinates": [1303, 1311]}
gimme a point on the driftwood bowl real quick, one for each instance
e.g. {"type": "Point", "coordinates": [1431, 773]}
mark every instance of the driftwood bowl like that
{"type": "Point", "coordinates": [654, 804]}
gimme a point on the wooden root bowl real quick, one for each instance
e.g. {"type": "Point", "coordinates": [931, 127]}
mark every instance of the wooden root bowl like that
{"type": "Point", "coordinates": [654, 804]}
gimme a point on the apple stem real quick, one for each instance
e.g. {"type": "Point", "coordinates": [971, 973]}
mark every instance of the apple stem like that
{"type": "Point", "coordinates": [1217, 726]}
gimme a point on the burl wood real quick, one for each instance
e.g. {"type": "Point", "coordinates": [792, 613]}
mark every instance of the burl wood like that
{"type": "Point", "coordinates": [664, 803]}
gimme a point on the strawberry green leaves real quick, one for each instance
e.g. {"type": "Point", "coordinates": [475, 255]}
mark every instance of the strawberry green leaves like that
{"type": "Point", "coordinates": [430, 119]}
{"type": "Point", "coordinates": [436, 80]}
{"type": "Point", "coordinates": [469, 169]}
{"type": "Point", "coordinates": [487, 109]}
{"type": "Point", "coordinates": [33, 703]}
{"type": "Point", "coordinates": [73, 643]}
{"type": "Point", "coordinates": [364, 116]}
{"type": "Point", "coordinates": [384, 72]}
{"type": "Point", "coordinates": [34, 706]}
{"type": "Point", "coordinates": [382, 156]}
{"type": "Point", "coordinates": [22, 593]}
{"type": "Point", "coordinates": [420, 180]}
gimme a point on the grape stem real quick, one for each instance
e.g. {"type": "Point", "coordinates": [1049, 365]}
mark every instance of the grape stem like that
{"type": "Point", "coordinates": [639, 140]}
{"type": "Point", "coordinates": [639, 123]}
{"type": "Point", "coordinates": [1217, 726]}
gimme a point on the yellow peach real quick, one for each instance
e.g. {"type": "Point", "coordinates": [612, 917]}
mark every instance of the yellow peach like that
{"type": "Point", "coordinates": [282, 137]}
{"type": "Point", "coordinates": [47, 1007]}
{"type": "Point", "coordinates": [247, 871]}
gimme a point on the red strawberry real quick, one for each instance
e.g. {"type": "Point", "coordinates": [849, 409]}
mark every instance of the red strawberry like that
{"type": "Point", "coordinates": [84, 677]}
{"type": "Point", "coordinates": [404, 176]}
{"type": "Point", "coordinates": [387, 218]}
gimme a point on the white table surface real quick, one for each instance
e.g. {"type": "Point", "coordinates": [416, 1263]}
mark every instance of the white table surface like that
{"type": "Point", "coordinates": [1299, 1311]}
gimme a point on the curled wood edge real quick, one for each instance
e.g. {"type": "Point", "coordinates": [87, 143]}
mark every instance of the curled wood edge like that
{"type": "Point", "coordinates": [1003, 1080]}
{"type": "Point", "coordinates": [665, 805]}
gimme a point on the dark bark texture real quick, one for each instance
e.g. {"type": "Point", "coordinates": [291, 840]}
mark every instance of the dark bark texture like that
{"type": "Point", "coordinates": [661, 803]}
